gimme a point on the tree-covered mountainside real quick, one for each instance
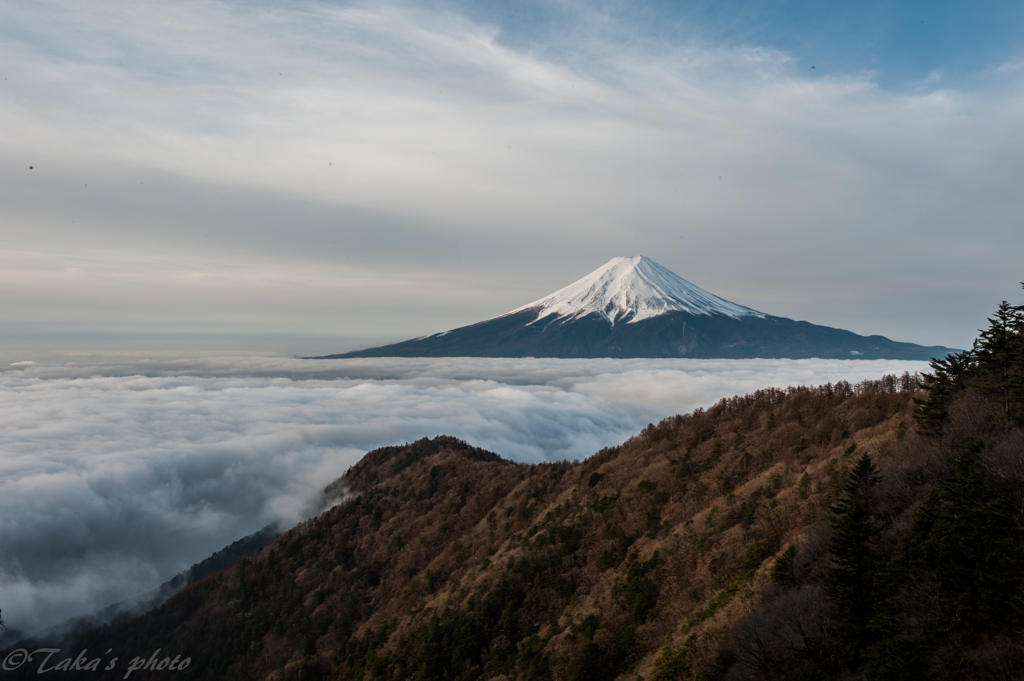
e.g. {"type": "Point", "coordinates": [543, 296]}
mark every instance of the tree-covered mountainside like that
{"type": "Point", "coordinates": [921, 569]}
{"type": "Point", "coordinates": [836, 532]}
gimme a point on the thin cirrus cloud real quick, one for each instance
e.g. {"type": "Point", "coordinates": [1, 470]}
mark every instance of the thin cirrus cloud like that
{"type": "Point", "coordinates": [115, 477]}
{"type": "Point", "coordinates": [388, 137]}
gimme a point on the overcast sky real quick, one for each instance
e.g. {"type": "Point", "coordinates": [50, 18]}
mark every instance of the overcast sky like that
{"type": "Point", "coordinates": [386, 170]}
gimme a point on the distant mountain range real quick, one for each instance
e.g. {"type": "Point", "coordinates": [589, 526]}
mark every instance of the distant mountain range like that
{"type": "Point", "coordinates": [634, 307]}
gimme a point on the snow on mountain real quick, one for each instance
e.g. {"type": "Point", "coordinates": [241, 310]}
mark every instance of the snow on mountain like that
{"type": "Point", "coordinates": [634, 307]}
{"type": "Point", "coordinates": [632, 289]}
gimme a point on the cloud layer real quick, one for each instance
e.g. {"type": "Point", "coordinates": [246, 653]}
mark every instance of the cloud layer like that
{"type": "Point", "coordinates": [115, 477]}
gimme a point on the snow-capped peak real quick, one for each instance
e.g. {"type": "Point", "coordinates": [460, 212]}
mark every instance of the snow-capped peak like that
{"type": "Point", "coordinates": [632, 289]}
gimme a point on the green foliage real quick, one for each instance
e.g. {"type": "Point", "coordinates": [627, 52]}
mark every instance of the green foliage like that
{"type": "Point", "coordinates": [962, 540]}
{"type": "Point", "coordinates": [591, 661]}
{"type": "Point", "coordinates": [716, 453]}
{"type": "Point", "coordinates": [804, 487]}
{"type": "Point", "coordinates": [603, 503]}
{"type": "Point", "coordinates": [995, 366]}
{"type": "Point", "coordinates": [783, 574]}
{"type": "Point", "coordinates": [638, 589]}
{"type": "Point", "coordinates": [852, 554]}
{"type": "Point", "coordinates": [704, 543]}
{"type": "Point", "coordinates": [949, 377]}
{"type": "Point", "coordinates": [754, 556]}
{"type": "Point", "coordinates": [999, 357]}
{"type": "Point", "coordinates": [613, 557]}
{"type": "Point", "coordinates": [653, 515]}
{"type": "Point", "coordinates": [432, 480]}
{"type": "Point", "coordinates": [699, 491]}
{"type": "Point", "coordinates": [894, 659]}
{"type": "Point", "coordinates": [674, 663]}
{"type": "Point", "coordinates": [746, 511]}
{"type": "Point", "coordinates": [955, 578]}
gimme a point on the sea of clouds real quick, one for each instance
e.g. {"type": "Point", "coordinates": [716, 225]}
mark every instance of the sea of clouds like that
{"type": "Point", "coordinates": [116, 476]}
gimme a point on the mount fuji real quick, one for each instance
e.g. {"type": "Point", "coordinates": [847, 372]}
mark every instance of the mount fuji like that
{"type": "Point", "coordinates": [634, 307]}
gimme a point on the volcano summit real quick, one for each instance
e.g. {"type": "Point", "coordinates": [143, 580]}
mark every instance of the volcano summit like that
{"type": "Point", "coordinates": [634, 307]}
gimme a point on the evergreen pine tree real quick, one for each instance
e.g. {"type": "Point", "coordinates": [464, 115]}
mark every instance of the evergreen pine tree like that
{"type": "Point", "coordinates": [849, 578]}
{"type": "Point", "coordinates": [782, 569]}
{"type": "Point", "coordinates": [963, 542]}
{"type": "Point", "coordinates": [995, 365]}
{"type": "Point", "coordinates": [949, 376]}
{"type": "Point", "coordinates": [964, 534]}
{"type": "Point", "coordinates": [999, 351]}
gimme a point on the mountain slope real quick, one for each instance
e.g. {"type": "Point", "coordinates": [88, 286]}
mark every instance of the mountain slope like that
{"type": "Point", "coordinates": [633, 307]}
{"type": "Point", "coordinates": [449, 562]}
{"type": "Point", "coordinates": [700, 549]}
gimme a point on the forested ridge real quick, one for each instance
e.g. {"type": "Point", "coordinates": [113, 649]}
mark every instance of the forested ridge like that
{"type": "Point", "coordinates": [869, 531]}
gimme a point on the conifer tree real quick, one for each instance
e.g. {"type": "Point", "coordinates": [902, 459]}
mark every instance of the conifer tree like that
{"type": "Point", "coordinates": [964, 534]}
{"type": "Point", "coordinates": [963, 543]}
{"type": "Point", "coordinates": [849, 578]}
{"type": "Point", "coordinates": [999, 351]}
{"type": "Point", "coordinates": [994, 365]}
{"type": "Point", "coordinates": [782, 569]}
{"type": "Point", "coordinates": [949, 376]}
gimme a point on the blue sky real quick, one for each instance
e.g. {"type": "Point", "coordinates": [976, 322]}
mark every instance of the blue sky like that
{"type": "Point", "coordinates": [365, 172]}
{"type": "Point", "coordinates": [900, 43]}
